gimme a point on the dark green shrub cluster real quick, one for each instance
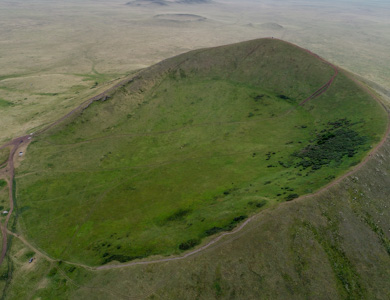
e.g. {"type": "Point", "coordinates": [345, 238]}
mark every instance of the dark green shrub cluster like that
{"type": "Point", "coordinates": [287, 188]}
{"type": "Point", "coordinates": [189, 244]}
{"type": "Point", "coordinates": [269, 155]}
{"type": "Point", "coordinates": [52, 272]}
{"type": "Point", "coordinates": [178, 215]}
{"type": "Point", "coordinates": [214, 230]}
{"type": "Point", "coordinates": [225, 193]}
{"type": "Point", "coordinates": [3, 183]}
{"type": "Point", "coordinates": [257, 98]}
{"type": "Point", "coordinates": [286, 98]}
{"type": "Point", "coordinates": [4, 276]}
{"type": "Point", "coordinates": [228, 227]}
{"type": "Point", "coordinates": [331, 144]}
{"type": "Point", "coordinates": [108, 250]}
{"type": "Point", "coordinates": [291, 197]}
{"type": "Point", "coordinates": [258, 204]}
{"type": "Point", "coordinates": [284, 164]}
{"type": "Point", "coordinates": [70, 269]}
{"type": "Point", "coordinates": [121, 258]}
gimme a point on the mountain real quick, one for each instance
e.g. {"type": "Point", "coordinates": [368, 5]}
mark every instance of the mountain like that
{"type": "Point", "coordinates": [254, 137]}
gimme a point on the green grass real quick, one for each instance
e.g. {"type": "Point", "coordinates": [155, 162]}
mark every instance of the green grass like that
{"type": "Point", "coordinates": [186, 152]}
{"type": "Point", "coordinates": [347, 278]}
{"type": "Point", "coordinates": [4, 154]}
{"type": "Point", "coordinates": [5, 103]}
{"type": "Point", "coordinates": [4, 198]}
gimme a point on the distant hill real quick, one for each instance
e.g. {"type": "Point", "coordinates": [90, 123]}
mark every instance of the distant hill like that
{"type": "Point", "coordinates": [194, 1]}
{"type": "Point", "coordinates": [180, 17]}
{"type": "Point", "coordinates": [269, 25]}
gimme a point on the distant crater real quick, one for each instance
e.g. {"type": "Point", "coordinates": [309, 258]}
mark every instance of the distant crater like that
{"type": "Point", "coordinates": [165, 2]}
{"type": "Point", "coordinates": [194, 1]}
{"type": "Point", "coordinates": [271, 25]}
{"type": "Point", "coordinates": [180, 17]}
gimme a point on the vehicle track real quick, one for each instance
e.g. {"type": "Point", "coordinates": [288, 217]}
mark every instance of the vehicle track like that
{"type": "Point", "coordinates": [9, 172]}
{"type": "Point", "coordinates": [24, 140]}
{"type": "Point", "coordinates": [323, 88]}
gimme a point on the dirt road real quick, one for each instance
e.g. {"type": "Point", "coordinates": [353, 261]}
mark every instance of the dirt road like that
{"type": "Point", "coordinates": [9, 172]}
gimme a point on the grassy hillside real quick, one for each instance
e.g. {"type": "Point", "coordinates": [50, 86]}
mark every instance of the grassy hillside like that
{"type": "Point", "coordinates": [328, 246]}
{"type": "Point", "coordinates": [331, 246]}
{"type": "Point", "coordinates": [190, 148]}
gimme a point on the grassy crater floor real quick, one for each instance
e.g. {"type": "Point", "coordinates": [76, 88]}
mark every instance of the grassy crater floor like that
{"type": "Point", "coordinates": [191, 147]}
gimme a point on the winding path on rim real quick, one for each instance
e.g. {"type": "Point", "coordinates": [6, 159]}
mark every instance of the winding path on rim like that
{"type": "Point", "coordinates": [9, 171]}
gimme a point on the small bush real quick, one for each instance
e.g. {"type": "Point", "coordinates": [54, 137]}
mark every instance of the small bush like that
{"type": "Point", "coordinates": [52, 272]}
{"type": "Point", "coordinates": [258, 204]}
{"type": "Point", "coordinates": [3, 183]}
{"type": "Point", "coordinates": [258, 97]}
{"type": "Point", "coordinates": [28, 254]}
{"type": "Point", "coordinates": [4, 276]}
{"type": "Point", "coordinates": [71, 269]}
{"type": "Point", "coordinates": [121, 258]}
{"type": "Point", "coordinates": [291, 197]}
{"type": "Point", "coordinates": [228, 227]}
{"type": "Point", "coordinates": [189, 244]}
{"type": "Point", "coordinates": [261, 203]}
{"type": "Point", "coordinates": [178, 215]}
{"type": "Point", "coordinates": [239, 219]}
{"type": "Point", "coordinates": [213, 230]}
